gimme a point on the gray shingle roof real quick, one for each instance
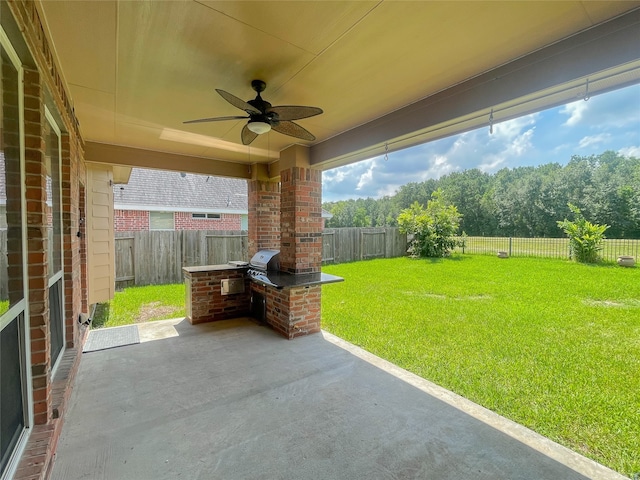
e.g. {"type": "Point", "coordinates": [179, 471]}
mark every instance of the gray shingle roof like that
{"type": "Point", "coordinates": [174, 191]}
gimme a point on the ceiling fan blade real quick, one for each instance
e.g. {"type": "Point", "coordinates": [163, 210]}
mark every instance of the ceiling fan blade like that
{"type": "Point", "coordinates": [214, 119]}
{"type": "Point", "coordinates": [248, 136]}
{"type": "Point", "coordinates": [237, 102]}
{"type": "Point", "coordinates": [294, 112]}
{"type": "Point", "coordinates": [293, 130]}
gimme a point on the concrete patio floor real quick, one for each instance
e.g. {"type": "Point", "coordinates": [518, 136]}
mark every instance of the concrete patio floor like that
{"type": "Point", "coordinates": [233, 400]}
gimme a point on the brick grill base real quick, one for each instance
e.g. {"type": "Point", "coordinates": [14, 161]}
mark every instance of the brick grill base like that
{"type": "Point", "coordinates": [292, 312]}
{"type": "Point", "coordinates": [205, 302]}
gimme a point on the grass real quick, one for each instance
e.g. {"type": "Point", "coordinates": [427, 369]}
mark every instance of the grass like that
{"type": "Point", "coordinates": [550, 344]}
{"type": "Point", "coordinates": [141, 304]}
{"type": "Point", "coordinates": [4, 306]}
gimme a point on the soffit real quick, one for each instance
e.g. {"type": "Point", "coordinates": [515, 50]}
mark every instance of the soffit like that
{"type": "Point", "coordinates": [137, 70]}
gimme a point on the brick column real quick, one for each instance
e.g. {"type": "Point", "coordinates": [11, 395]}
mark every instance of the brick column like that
{"type": "Point", "coordinates": [72, 242]}
{"type": "Point", "coordinates": [301, 213]}
{"type": "Point", "coordinates": [294, 312]}
{"type": "Point", "coordinates": [264, 215]}
{"type": "Point", "coordinates": [37, 247]}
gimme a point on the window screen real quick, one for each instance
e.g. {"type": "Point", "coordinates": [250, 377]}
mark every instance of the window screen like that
{"type": "Point", "coordinates": [11, 401]}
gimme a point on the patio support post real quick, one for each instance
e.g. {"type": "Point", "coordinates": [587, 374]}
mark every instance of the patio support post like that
{"type": "Point", "coordinates": [295, 312]}
{"type": "Point", "coordinates": [300, 213]}
{"type": "Point", "coordinates": [264, 214]}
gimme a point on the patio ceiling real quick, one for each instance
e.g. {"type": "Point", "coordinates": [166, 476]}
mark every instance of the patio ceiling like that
{"type": "Point", "coordinates": [388, 74]}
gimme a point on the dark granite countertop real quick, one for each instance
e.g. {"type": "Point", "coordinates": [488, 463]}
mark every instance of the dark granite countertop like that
{"type": "Point", "coordinates": [272, 279]}
{"type": "Point", "coordinates": [213, 268]}
{"type": "Point", "coordinates": [289, 280]}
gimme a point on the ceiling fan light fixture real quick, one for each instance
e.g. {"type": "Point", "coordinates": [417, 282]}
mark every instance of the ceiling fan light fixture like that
{"type": "Point", "coordinates": [259, 127]}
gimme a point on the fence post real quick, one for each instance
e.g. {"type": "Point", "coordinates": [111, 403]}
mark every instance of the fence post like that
{"type": "Point", "coordinates": [510, 245]}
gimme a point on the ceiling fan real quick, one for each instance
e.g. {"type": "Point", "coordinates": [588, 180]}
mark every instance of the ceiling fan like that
{"type": "Point", "coordinates": [264, 117]}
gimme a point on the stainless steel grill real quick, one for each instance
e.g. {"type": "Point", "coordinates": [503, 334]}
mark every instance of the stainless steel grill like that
{"type": "Point", "coordinates": [263, 263]}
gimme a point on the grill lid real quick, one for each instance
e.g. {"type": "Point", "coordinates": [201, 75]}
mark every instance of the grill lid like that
{"type": "Point", "coordinates": [266, 260]}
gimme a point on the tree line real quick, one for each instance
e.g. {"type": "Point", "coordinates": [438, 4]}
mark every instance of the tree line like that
{"type": "Point", "coordinates": [518, 202]}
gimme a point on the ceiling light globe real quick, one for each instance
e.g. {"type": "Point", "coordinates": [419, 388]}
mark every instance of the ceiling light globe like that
{"type": "Point", "coordinates": [259, 127]}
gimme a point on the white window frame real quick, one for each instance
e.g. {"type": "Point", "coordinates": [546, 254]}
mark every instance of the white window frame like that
{"type": "Point", "coordinates": [23, 305]}
{"type": "Point", "coordinates": [60, 274]}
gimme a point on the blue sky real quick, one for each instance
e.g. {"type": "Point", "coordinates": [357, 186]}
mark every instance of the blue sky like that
{"type": "Point", "coordinates": [610, 121]}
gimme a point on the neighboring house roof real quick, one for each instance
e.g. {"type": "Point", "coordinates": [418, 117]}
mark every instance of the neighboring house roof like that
{"type": "Point", "coordinates": [160, 190]}
{"type": "Point", "coordinates": [326, 214]}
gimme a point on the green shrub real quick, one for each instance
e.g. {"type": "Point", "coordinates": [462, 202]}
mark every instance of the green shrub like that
{"type": "Point", "coordinates": [433, 228]}
{"type": "Point", "coordinates": [586, 239]}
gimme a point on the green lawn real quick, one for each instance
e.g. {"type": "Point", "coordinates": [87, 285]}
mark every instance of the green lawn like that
{"type": "Point", "coordinates": [551, 344]}
{"type": "Point", "coordinates": [141, 304]}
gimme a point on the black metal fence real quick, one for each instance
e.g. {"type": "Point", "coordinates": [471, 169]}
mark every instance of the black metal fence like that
{"type": "Point", "coordinates": [544, 247]}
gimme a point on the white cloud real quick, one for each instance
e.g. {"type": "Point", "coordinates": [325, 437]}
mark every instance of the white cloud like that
{"type": "Point", "coordinates": [366, 178]}
{"type": "Point", "coordinates": [617, 109]}
{"type": "Point", "coordinates": [575, 111]}
{"type": "Point", "coordinates": [594, 140]}
{"type": "Point", "coordinates": [630, 151]}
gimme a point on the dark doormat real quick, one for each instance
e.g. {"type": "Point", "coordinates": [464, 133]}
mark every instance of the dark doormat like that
{"type": "Point", "coordinates": [104, 338]}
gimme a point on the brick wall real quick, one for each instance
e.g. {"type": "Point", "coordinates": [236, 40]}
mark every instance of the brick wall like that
{"type": "Point", "coordinates": [301, 220]}
{"type": "Point", "coordinates": [130, 220]}
{"type": "Point", "coordinates": [227, 221]}
{"type": "Point", "coordinates": [44, 77]}
{"type": "Point", "coordinates": [37, 239]}
{"type": "Point", "coordinates": [138, 220]}
{"type": "Point", "coordinates": [74, 248]}
{"type": "Point", "coordinates": [292, 312]}
{"type": "Point", "coordinates": [264, 215]}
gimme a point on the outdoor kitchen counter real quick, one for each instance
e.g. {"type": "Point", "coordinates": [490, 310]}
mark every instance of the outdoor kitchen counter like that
{"type": "Point", "coordinates": [289, 280]}
{"type": "Point", "coordinates": [216, 292]}
{"type": "Point", "coordinates": [213, 268]}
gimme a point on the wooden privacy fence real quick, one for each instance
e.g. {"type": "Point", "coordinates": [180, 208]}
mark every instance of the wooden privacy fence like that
{"type": "Point", "coordinates": [340, 245]}
{"type": "Point", "coordinates": [157, 257]}
{"type": "Point", "coordinates": [545, 247]}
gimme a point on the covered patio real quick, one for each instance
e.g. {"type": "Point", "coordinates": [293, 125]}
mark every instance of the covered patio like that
{"type": "Point", "coordinates": [233, 400]}
{"type": "Point", "coordinates": [92, 89]}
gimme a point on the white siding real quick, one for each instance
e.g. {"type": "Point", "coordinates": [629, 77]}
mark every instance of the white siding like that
{"type": "Point", "coordinates": [100, 236]}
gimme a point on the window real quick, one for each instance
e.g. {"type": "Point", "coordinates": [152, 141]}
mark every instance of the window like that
{"type": "Point", "coordinates": [54, 209]}
{"type": "Point", "coordinates": [214, 216]}
{"type": "Point", "coordinates": [14, 376]}
{"type": "Point", "coordinates": [54, 231]}
{"type": "Point", "coordinates": [161, 221]}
